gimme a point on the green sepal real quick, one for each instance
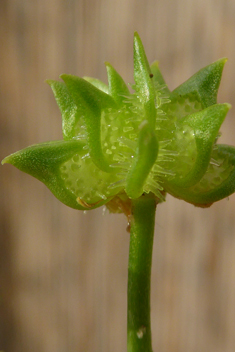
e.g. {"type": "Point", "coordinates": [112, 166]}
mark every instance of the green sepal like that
{"type": "Point", "coordinates": [206, 125]}
{"type": "Point", "coordinates": [43, 162]}
{"type": "Point", "coordinates": [98, 84]}
{"type": "Point", "coordinates": [144, 85]}
{"type": "Point", "coordinates": [117, 87]}
{"type": "Point", "coordinates": [92, 101]}
{"type": "Point", "coordinates": [218, 183]}
{"type": "Point", "coordinates": [146, 154]}
{"type": "Point", "coordinates": [71, 114]}
{"type": "Point", "coordinates": [203, 85]}
{"type": "Point", "coordinates": [158, 79]}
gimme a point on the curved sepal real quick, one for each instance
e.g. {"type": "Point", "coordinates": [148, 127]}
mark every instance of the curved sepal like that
{"type": "Point", "coordinates": [71, 114]}
{"type": "Point", "coordinates": [117, 87]}
{"type": "Point", "coordinates": [92, 101]}
{"type": "Point", "coordinates": [206, 125]}
{"type": "Point", "coordinates": [43, 161]}
{"type": "Point", "coordinates": [203, 85]}
{"type": "Point", "coordinates": [146, 154]}
{"type": "Point", "coordinates": [143, 81]}
{"type": "Point", "coordinates": [98, 84]}
{"type": "Point", "coordinates": [217, 183]}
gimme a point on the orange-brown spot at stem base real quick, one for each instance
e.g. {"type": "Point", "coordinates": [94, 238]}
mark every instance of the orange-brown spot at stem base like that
{"type": "Point", "coordinates": [120, 204]}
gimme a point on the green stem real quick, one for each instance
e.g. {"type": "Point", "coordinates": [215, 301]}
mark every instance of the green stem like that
{"type": "Point", "coordinates": [139, 274]}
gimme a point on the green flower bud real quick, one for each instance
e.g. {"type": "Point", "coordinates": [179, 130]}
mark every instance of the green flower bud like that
{"type": "Point", "coordinates": [119, 145]}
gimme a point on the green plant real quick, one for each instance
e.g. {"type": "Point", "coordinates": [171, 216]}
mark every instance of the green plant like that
{"type": "Point", "coordinates": [127, 150]}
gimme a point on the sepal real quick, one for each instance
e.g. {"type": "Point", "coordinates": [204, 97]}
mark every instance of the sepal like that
{"type": "Point", "coordinates": [158, 79]}
{"type": "Point", "coordinates": [202, 86]}
{"type": "Point", "coordinates": [217, 183]}
{"type": "Point", "coordinates": [117, 87]}
{"type": "Point", "coordinates": [205, 125]}
{"type": "Point", "coordinates": [71, 114]}
{"type": "Point", "coordinates": [146, 154]}
{"type": "Point", "coordinates": [43, 161]}
{"type": "Point", "coordinates": [98, 84]}
{"type": "Point", "coordinates": [143, 81]}
{"type": "Point", "coordinates": [92, 101]}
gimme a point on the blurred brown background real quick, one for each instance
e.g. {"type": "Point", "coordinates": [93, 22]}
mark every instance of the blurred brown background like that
{"type": "Point", "coordinates": [63, 274]}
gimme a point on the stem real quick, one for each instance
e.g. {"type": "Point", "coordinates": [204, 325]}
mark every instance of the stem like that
{"type": "Point", "coordinates": [139, 274]}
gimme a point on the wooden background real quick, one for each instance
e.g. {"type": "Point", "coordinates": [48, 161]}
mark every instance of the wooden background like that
{"type": "Point", "coordinates": [63, 274]}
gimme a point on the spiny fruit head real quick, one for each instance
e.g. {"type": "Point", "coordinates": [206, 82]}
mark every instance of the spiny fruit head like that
{"type": "Point", "coordinates": [119, 145]}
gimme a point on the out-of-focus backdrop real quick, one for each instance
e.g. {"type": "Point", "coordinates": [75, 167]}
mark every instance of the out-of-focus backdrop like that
{"type": "Point", "coordinates": [63, 274]}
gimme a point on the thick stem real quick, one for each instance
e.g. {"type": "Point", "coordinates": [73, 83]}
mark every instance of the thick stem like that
{"type": "Point", "coordinates": [139, 274]}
